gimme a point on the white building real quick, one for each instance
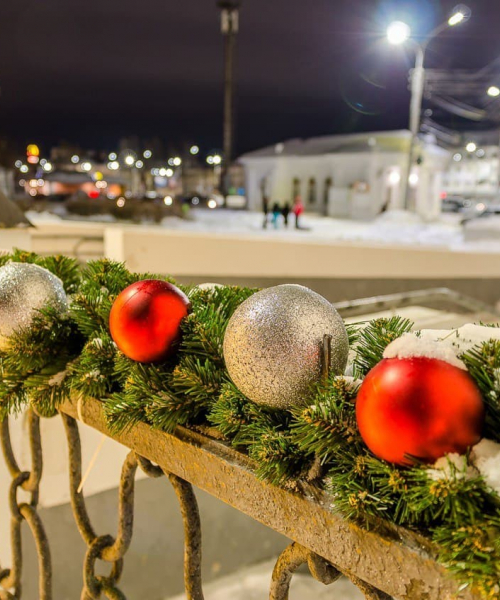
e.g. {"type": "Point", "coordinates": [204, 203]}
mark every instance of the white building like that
{"type": "Point", "coordinates": [355, 175]}
{"type": "Point", "coordinates": [474, 174]}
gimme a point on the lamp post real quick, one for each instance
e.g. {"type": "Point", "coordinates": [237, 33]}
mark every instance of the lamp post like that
{"type": "Point", "coordinates": [399, 33]}
{"type": "Point", "coordinates": [229, 28]}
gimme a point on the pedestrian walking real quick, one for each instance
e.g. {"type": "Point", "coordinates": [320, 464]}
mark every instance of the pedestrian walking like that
{"type": "Point", "coordinates": [298, 209]}
{"type": "Point", "coordinates": [285, 211]}
{"type": "Point", "coordinates": [276, 214]}
{"type": "Point", "coordinates": [265, 210]}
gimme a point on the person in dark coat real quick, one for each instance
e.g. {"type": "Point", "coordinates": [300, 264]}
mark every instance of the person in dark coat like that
{"type": "Point", "coordinates": [285, 211]}
{"type": "Point", "coordinates": [265, 210]}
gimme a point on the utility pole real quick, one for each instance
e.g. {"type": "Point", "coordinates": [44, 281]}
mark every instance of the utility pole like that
{"type": "Point", "coordinates": [229, 28]}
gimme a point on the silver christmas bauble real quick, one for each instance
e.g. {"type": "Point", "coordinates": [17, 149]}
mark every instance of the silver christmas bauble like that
{"type": "Point", "coordinates": [24, 290]}
{"type": "Point", "coordinates": [272, 345]}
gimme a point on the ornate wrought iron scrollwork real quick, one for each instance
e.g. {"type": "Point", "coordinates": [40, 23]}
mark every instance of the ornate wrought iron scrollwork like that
{"type": "Point", "coordinates": [296, 555]}
{"type": "Point", "coordinates": [113, 550]}
{"type": "Point", "coordinates": [29, 481]}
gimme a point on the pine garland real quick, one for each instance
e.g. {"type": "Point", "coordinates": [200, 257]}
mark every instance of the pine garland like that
{"type": "Point", "coordinates": [73, 354]}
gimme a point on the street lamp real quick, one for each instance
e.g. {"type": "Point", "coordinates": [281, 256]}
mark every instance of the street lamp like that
{"type": "Point", "coordinates": [493, 91]}
{"type": "Point", "coordinates": [397, 34]}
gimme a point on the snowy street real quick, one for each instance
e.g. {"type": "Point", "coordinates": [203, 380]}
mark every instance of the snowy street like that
{"type": "Point", "coordinates": [392, 228]}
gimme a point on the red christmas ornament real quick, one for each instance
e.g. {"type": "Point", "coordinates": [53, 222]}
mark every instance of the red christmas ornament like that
{"type": "Point", "coordinates": [418, 407]}
{"type": "Point", "coordinates": [145, 319]}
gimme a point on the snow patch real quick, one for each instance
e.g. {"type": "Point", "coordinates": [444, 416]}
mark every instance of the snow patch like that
{"type": "Point", "coordinates": [486, 457]}
{"type": "Point", "coordinates": [399, 217]}
{"type": "Point", "coordinates": [443, 344]}
{"type": "Point", "coordinates": [411, 346]}
{"type": "Point", "coordinates": [451, 466]}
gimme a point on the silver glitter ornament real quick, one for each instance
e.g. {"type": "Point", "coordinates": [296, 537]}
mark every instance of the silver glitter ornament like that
{"type": "Point", "coordinates": [272, 346]}
{"type": "Point", "coordinates": [24, 290]}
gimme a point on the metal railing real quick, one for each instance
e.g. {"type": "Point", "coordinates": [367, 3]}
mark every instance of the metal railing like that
{"type": "Point", "coordinates": [388, 558]}
{"type": "Point", "coordinates": [384, 562]}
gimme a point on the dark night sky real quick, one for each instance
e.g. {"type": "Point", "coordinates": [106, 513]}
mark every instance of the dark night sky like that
{"type": "Point", "coordinates": [91, 71]}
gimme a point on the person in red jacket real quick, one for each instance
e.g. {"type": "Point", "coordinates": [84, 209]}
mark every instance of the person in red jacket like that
{"type": "Point", "coordinates": [298, 209]}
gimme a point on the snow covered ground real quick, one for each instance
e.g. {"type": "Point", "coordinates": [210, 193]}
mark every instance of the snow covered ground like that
{"type": "Point", "coordinates": [392, 228]}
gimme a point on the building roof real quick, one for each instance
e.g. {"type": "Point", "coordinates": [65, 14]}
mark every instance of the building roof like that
{"type": "Point", "coordinates": [381, 141]}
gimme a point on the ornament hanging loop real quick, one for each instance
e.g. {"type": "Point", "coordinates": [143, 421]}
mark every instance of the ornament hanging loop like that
{"type": "Point", "coordinates": [326, 357]}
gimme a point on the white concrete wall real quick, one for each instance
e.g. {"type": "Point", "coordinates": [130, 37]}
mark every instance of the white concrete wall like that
{"type": "Point", "coordinates": [198, 254]}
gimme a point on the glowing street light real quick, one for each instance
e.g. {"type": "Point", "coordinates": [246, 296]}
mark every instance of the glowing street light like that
{"type": "Point", "coordinates": [194, 150]}
{"type": "Point", "coordinates": [471, 147]}
{"type": "Point", "coordinates": [177, 161]}
{"type": "Point", "coordinates": [398, 32]}
{"type": "Point", "coordinates": [456, 18]}
{"type": "Point", "coordinates": [493, 91]}
{"type": "Point", "coordinates": [18, 164]}
{"type": "Point", "coordinates": [168, 200]}
{"type": "Point", "coordinates": [169, 172]}
{"type": "Point", "coordinates": [47, 167]}
{"type": "Point", "coordinates": [75, 159]}
{"type": "Point", "coordinates": [147, 154]}
{"type": "Point", "coordinates": [114, 165]}
{"type": "Point", "coordinates": [139, 164]}
{"type": "Point", "coordinates": [112, 156]}
{"type": "Point", "coordinates": [129, 160]}
{"type": "Point", "coordinates": [217, 159]}
{"type": "Point", "coordinates": [86, 166]}
{"type": "Point", "coordinates": [24, 168]}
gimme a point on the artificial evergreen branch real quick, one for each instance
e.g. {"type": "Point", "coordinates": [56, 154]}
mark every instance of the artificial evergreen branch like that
{"type": "Point", "coordinates": [374, 339]}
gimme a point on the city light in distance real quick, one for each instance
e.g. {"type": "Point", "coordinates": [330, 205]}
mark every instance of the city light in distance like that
{"type": "Point", "coordinates": [162, 172]}
{"type": "Point", "coordinates": [24, 168]}
{"type": "Point", "coordinates": [168, 200]}
{"type": "Point", "coordinates": [457, 157]}
{"type": "Point", "coordinates": [86, 166]}
{"type": "Point", "coordinates": [217, 159]}
{"type": "Point", "coordinates": [195, 200]}
{"type": "Point", "coordinates": [34, 182]}
{"type": "Point", "coordinates": [194, 150]}
{"type": "Point", "coordinates": [33, 192]}
{"type": "Point", "coordinates": [43, 162]}
{"type": "Point", "coordinates": [398, 32]}
{"type": "Point", "coordinates": [413, 179]}
{"type": "Point", "coordinates": [41, 182]}
{"type": "Point", "coordinates": [129, 160]}
{"type": "Point", "coordinates": [139, 164]}
{"type": "Point", "coordinates": [75, 159]}
{"type": "Point", "coordinates": [113, 165]}
{"type": "Point", "coordinates": [18, 164]}
{"type": "Point", "coordinates": [169, 173]}
{"type": "Point", "coordinates": [480, 152]}
{"type": "Point", "coordinates": [112, 156]}
{"type": "Point", "coordinates": [471, 147]}
{"type": "Point", "coordinates": [147, 154]}
{"type": "Point", "coordinates": [177, 161]}
{"type": "Point", "coordinates": [120, 202]}
{"type": "Point", "coordinates": [394, 178]}
{"type": "Point", "coordinates": [171, 162]}
{"type": "Point", "coordinates": [493, 91]}
{"type": "Point", "coordinates": [47, 167]}
{"type": "Point", "coordinates": [22, 182]}
{"type": "Point", "coordinates": [212, 203]}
